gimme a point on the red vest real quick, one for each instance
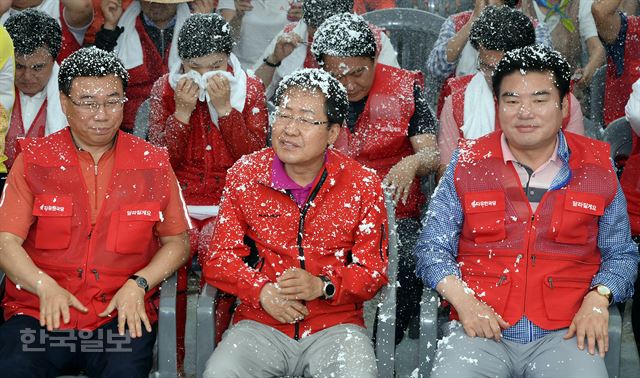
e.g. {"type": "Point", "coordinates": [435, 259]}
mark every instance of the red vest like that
{"type": "Point", "coordinates": [630, 182]}
{"type": "Point", "coordinates": [141, 78]}
{"type": "Point", "coordinates": [535, 264]}
{"type": "Point", "coordinates": [91, 262]}
{"type": "Point", "coordinates": [69, 42]}
{"type": "Point", "coordinates": [458, 86]}
{"type": "Point", "coordinates": [16, 128]}
{"type": "Point", "coordinates": [380, 138]}
{"type": "Point", "coordinates": [618, 89]}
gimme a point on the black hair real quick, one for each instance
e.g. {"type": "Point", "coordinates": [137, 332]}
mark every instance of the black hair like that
{"type": "Point", "coordinates": [90, 62]}
{"type": "Point", "coordinates": [503, 29]}
{"type": "Point", "coordinates": [32, 29]}
{"type": "Point", "coordinates": [315, 12]}
{"type": "Point", "coordinates": [313, 79]}
{"type": "Point", "coordinates": [534, 58]}
{"type": "Point", "coordinates": [344, 35]}
{"type": "Point", "coordinates": [511, 3]}
{"type": "Point", "coordinates": [204, 34]}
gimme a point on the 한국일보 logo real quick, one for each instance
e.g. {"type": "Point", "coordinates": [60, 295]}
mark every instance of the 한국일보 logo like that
{"type": "Point", "coordinates": [483, 204]}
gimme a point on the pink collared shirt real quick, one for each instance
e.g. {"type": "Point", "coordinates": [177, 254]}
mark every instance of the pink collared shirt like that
{"type": "Point", "coordinates": [280, 180]}
{"type": "Point", "coordinates": [534, 183]}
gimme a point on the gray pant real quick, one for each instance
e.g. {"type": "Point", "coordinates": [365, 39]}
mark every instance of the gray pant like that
{"type": "Point", "coordinates": [459, 355]}
{"type": "Point", "coordinates": [251, 349]}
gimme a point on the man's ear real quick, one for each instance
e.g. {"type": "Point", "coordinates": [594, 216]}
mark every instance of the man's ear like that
{"type": "Point", "coordinates": [565, 105]}
{"type": "Point", "coordinates": [334, 131]}
{"type": "Point", "coordinates": [64, 102]}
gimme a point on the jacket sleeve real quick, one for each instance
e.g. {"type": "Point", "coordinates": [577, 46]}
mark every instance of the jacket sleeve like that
{"type": "Point", "coordinates": [246, 132]}
{"type": "Point", "coordinates": [361, 280]}
{"type": "Point", "coordinates": [164, 129]}
{"type": "Point", "coordinates": [224, 267]}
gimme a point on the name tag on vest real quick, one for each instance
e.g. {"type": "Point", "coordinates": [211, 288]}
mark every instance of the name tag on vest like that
{"type": "Point", "coordinates": [586, 203]}
{"type": "Point", "coordinates": [482, 202]}
{"type": "Point", "coordinates": [146, 211]}
{"type": "Point", "coordinates": [48, 205]}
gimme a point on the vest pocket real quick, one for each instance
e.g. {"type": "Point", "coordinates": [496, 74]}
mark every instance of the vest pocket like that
{"type": "Point", "coordinates": [484, 214]}
{"type": "Point", "coordinates": [131, 228]}
{"type": "Point", "coordinates": [53, 226]}
{"type": "Point", "coordinates": [572, 218]}
{"type": "Point", "coordinates": [563, 296]}
{"type": "Point", "coordinates": [492, 289]}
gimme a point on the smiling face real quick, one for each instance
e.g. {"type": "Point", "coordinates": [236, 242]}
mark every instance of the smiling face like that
{"type": "Point", "coordinates": [355, 73]}
{"type": "Point", "coordinates": [94, 129]}
{"type": "Point", "coordinates": [530, 111]}
{"type": "Point", "coordinates": [299, 143]}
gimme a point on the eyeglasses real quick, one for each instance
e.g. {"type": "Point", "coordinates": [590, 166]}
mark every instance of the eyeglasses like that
{"type": "Point", "coordinates": [303, 123]}
{"type": "Point", "coordinates": [110, 105]}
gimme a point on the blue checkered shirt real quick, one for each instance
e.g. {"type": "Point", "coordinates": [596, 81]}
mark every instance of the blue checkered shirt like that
{"type": "Point", "coordinates": [437, 246]}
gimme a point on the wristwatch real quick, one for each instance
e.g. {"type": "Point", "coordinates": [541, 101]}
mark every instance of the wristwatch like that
{"type": "Point", "coordinates": [605, 292]}
{"type": "Point", "coordinates": [328, 289]}
{"type": "Point", "coordinates": [140, 281]}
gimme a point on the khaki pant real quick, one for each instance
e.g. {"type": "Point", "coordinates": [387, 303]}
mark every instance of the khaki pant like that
{"type": "Point", "coordinates": [251, 349]}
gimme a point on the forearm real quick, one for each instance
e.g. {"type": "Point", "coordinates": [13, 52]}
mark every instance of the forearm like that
{"type": "Point", "coordinates": [173, 254]}
{"type": "Point", "coordinates": [18, 266]}
{"type": "Point", "coordinates": [453, 290]}
{"type": "Point", "coordinates": [457, 43]}
{"type": "Point", "coordinates": [265, 72]}
{"type": "Point", "coordinates": [605, 13]}
{"type": "Point", "coordinates": [597, 55]}
{"type": "Point", "coordinates": [246, 132]}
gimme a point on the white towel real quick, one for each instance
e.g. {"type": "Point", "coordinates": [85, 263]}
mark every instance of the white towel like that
{"type": "Point", "coordinates": [295, 60]}
{"type": "Point", "coordinates": [467, 62]}
{"type": "Point", "coordinates": [479, 108]}
{"type": "Point", "coordinates": [202, 212]}
{"type": "Point", "coordinates": [129, 47]}
{"type": "Point", "coordinates": [237, 81]}
{"type": "Point", "coordinates": [56, 120]}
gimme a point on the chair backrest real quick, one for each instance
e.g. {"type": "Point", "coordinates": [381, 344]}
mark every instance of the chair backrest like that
{"type": "Point", "coordinates": [597, 96]}
{"type": "Point", "coordinates": [592, 129]}
{"type": "Point", "coordinates": [618, 135]}
{"type": "Point", "coordinates": [413, 33]}
{"type": "Point", "coordinates": [141, 123]}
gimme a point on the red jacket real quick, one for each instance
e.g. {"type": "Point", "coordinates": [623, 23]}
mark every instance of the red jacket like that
{"type": "Point", "coordinates": [380, 138]}
{"type": "Point", "coordinates": [69, 42]}
{"type": "Point", "coordinates": [142, 78]}
{"type": "Point", "coordinates": [341, 233]}
{"type": "Point", "coordinates": [201, 153]}
{"type": "Point", "coordinates": [618, 89]}
{"type": "Point", "coordinates": [92, 263]}
{"type": "Point", "coordinates": [535, 264]}
{"type": "Point", "coordinates": [458, 86]}
{"type": "Point", "coordinates": [630, 182]}
{"type": "Point", "coordinates": [16, 129]}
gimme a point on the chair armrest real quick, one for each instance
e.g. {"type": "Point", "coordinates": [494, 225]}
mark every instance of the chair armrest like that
{"type": "Point", "coordinates": [428, 331]}
{"type": "Point", "coordinates": [612, 358]}
{"type": "Point", "coordinates": [386, 332]}
{"type": "Point", "coordinates": [167, 359]}
{"type": "Point", "coordinates": [205, 327]}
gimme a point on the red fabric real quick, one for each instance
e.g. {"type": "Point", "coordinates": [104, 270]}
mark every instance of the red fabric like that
{"type": "Point", "coordinates": [510, 256]}
{"type": "Point", "coordinates": [92, 263]}
{"type": "Point", "coordinates": [380, 138]}
{"type": "Point", "coordinates": [69, 43]}
{"type": "Point", "coordinates": [458, 86]}
{"type": "Point", "coordinates": [142, 78]}
{"type": "Point", "coordinates": [201, 153]}
{"type": "Point", "coordinates": [364, 6]}
{"type": "Point", "coordinates": [347, 244]}
{"type": "Point", "coordinates": [16, 129]}
{"type": "Point", "coordinates": [630, 182]}
{"type": "Point", "coordinates": [618, 89]}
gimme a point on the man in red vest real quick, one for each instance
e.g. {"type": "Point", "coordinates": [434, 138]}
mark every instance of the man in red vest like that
{"type": "Point", "coordinates": [469, 112]}
{"type": "Point", "coordinates": [390, 128]}
{"type": "Point", "coordinates": [37, 111]}
{"type": "Point", "coordinates": [620, 35]}
{"type": "Point", "coordinates": [527, 236]}
{"type": "Point", "coordinates": [96, 223]}
{"type": "Point", "coordinates": [144, 37]}
{"type": "Point", "coordinates": [73, 16]}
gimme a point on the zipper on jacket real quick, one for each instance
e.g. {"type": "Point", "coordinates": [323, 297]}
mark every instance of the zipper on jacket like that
{"type": "Point", "coordinates": [550, 282]}
{"type": "Point", "coordinates": [303, 214]}
{"type": "Point", "coordinates": [95, 188]}
{"type": "Point", "coordinates": [80, 272]}
{"type": "Point", "coordinates": [95, 273]}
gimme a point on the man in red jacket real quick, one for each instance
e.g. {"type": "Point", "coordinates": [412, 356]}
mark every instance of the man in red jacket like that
{"type": "Point", "coordinates": [96, 223]}
{"type": "Point", "coordinates": [390, 128]}
{"type": "Point", "coordinates": [527, 236]}
{"type": "Point", "coordinates": [316, 222]}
